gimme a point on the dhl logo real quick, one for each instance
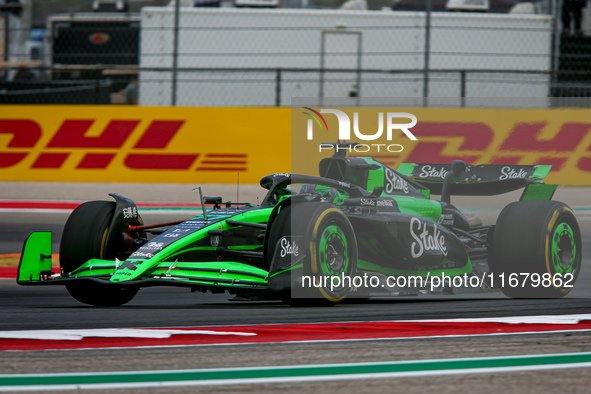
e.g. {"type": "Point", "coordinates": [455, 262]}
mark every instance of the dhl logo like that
{"type": "Point", "coordinates": [51, 145]}
{"type": "Point", "coordinates": [567, 148]}
{"type": "Point", "coordinates": [148, 152]}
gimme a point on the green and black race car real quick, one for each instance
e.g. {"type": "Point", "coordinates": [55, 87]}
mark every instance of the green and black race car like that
{"type": "Point", "coordinates": [360, 229]}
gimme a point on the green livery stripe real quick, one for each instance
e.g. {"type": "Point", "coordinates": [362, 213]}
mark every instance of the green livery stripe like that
{"type": "Point", "coordinates": [215, 265]}
{"type": "Point", "coordinates": [213, 276]}
{"type": "Point", "coordinates": [245, 247]}
{"type": "Point", "coordinates": [425, 192]}
{"type": "Point", "coordinates": [367, 266]}
{"type": "Point", "coordinates": [289, 269]}
{"type": "Point", "coordinates": [542, 171]}
{"type": "Point", "coordinates": [429, 209]}
{"type": "Point", "coordinates": [94, 267]}
{"type": "Point", "coordinates": [95, 271]}
{"type": "Point", "coordinates": [538, 191]}
{"type": "Point", "coordinates": [405, 168]}
{"type": "Point", "coordinates": [205, 377]}
{"type": "Point", "coordinates": [234, 283]}
{"type": "Point", "coordinates": [224, 272]}
{"type": "Point", "coordinates": [164, 208]}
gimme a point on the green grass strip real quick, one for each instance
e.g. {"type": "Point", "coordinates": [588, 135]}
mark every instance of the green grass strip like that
{"type": "Point", "coordinates": [470, 365]}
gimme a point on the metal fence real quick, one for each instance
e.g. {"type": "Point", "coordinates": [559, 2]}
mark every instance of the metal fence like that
{"type": "Point", "coordinates": [277, 87]}
{"type": "Point", "coordinates": [225, 57]}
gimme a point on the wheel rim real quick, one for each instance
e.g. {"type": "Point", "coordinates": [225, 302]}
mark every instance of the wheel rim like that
{"type": "Point", "coordinates": [564, 249]}
{"type": "Point", "coordinates": [333, 252]}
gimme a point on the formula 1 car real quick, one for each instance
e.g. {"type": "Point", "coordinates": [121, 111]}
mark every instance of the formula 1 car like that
{"type": "Point", "coordinates": [365, 227]}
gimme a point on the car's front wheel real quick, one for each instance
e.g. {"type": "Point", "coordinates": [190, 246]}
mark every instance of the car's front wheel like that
{"type": "Point", "coordinates": [84, 238]}
{"type": "Point", "coordinates": [330, 248]}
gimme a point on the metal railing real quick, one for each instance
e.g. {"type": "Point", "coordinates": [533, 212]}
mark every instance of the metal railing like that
{"type": "Point", "coordinates": [277, 86]}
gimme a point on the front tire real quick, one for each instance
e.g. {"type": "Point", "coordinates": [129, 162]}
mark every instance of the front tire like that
{"type": "Point", "coordinates": [536, 240]}
{"type": "Point", "coordinates": [331, 252]}
{"type": "Point", "coordinates": [85, 238]}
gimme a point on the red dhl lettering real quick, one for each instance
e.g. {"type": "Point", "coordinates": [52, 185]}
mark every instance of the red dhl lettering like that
{"type": "Point", "coordinates": [159, 134]}
{"type": "Point", "coordinates": [72, 134]}
{"type": "Point", "coordinates": [50, 160]}
{"type": "Point", "coordinates": [159, 161]}
{"type": "Point", "coordinates": [25, 134]}
{"type": "Point", "coordinates": [475, 143]}
{"type": "Point", "coordinates": [96, 160]}
{"type": "Point", "coordinates": [584, 164]}
{"type": "Point", "coordinates": [438, 142]}
{"type": "Point", "coordinates": [526, 137]}
{"type": "Point", "coordinates": [475, 137]}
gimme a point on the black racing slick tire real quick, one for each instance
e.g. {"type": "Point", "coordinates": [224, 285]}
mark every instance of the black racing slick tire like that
{"type": "Point", "coordinates": [536, 250]}
{"type": "Point", "coordinates": [327, 241]}
{"type": "Point", "coordinates": [85, 238]}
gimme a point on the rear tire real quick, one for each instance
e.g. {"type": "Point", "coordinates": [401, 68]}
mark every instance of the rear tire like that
{"type": "Point", "coordinates": [536, 239]}
{"type": "Point", "coordinates": [330, 247]}
{"type": "Point", "coordinates": [85, 238]}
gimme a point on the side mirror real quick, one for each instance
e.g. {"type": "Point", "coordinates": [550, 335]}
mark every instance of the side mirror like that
{"type": "Point", "coordinates": [213, 200]}
{"type": "Point", "coordinates": [458, 167]}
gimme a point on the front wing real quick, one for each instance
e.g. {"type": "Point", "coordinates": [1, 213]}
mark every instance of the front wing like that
{"type": "Point", "coordinates": [35, 269]}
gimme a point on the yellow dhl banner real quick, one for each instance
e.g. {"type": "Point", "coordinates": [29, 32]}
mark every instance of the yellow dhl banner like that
{"type": "Point", "coordinates": [557, 137]}
{"type": "Point", "coordinates": [142, 144]}
{"type": "Point", "coordinates": [213, 144]}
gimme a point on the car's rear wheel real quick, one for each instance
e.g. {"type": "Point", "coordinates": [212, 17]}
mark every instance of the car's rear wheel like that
{"type": "Point", "coordinates": [536, 250]}
{"type": "Point", "coordinates": [84, 238]}
{"type": "Point", "coordinates": [330, 247]}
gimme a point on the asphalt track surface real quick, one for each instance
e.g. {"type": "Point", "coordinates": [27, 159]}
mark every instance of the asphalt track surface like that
{"type": "Point", "coordinates": [51, 307]}
{"type": "Point", "coordinates": [42, 308]}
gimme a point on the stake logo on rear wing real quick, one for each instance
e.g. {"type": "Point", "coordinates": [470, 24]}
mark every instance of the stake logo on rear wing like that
{"type": "Point", "coordinates": [483, 180]}
{"type": "Point", "coordinates": [475, 173]}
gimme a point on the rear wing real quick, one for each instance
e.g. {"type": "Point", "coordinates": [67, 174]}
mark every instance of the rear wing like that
{"type": "Point", "coordinates": [484, 179]}
{"type": "Point", "coordinates": [479, 173]}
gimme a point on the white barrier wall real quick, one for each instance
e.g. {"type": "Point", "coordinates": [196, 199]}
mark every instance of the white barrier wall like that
{"type": "Point", "coordinates": [293, 39]}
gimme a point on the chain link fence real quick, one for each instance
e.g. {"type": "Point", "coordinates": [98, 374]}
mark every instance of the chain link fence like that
{"type": "Point", "coordinates": [265, 57]}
